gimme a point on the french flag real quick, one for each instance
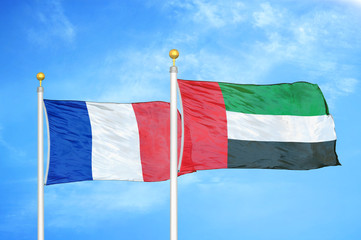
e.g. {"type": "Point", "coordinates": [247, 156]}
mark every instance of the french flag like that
{"type": "Point", "coordinates": [109, 141]}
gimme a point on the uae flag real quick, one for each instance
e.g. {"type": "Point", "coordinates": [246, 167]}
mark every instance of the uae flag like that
{"type": "Point", "coordinates": [108, 141]}
{"type": "Point", "coordinates": [282, 126]}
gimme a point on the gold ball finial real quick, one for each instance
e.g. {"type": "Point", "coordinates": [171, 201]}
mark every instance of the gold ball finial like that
{"type": "Point", "coordinates": [40, 76]}
{"type": "Point", "coordinates": [173, 54]}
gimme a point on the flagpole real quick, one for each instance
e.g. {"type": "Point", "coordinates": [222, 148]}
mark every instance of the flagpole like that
{"type": "Point", "coordinates": [173, 148]}
{"type": "Point", "coordinates": [40, 76]}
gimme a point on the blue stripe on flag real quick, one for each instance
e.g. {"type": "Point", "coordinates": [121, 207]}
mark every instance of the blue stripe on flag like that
{"type": "Point", "coordinates": [70, 142]}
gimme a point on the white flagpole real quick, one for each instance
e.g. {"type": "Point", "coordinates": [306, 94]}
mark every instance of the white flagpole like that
{"type": "Point", "coordinates": [173, 148]}
{"type": "Point", "coordinates": [40, 76]}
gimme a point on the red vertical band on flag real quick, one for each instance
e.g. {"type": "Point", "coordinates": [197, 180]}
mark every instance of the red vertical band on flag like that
{"type": "Point", "coordinates": [205, 124]}
{"type": "Point", "coordinates": [153, 120]}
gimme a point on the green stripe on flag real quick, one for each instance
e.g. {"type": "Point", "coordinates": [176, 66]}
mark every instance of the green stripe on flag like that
{"type": "Point", "coordinates": [298, 99]}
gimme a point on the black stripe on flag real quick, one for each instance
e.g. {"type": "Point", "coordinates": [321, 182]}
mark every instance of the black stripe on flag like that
{"type": "Point", "coordinates": [281, 155]}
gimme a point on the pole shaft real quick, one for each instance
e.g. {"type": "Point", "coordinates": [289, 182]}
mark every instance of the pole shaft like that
{"type": "Point", "coordinates": [40, 165]}
{"type": "Point", "coordinates": [173, 155]}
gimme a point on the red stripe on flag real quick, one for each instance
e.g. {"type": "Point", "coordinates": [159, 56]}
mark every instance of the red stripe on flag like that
{"type": "Point", "coordinates": [205, 125]}
{"type": "Point", "coordinates": [153, 120]}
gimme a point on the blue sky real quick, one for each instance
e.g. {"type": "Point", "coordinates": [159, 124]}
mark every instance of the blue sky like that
{"type": "Point", "coordinates": [117, 51]}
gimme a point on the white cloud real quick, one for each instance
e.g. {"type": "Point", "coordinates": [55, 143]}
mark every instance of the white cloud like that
{"type": "Point", "coordinates": [353, 2]}
{"type": "Point", "coordinates": [215, 14]}
{"type": "Point", "coordinates": [336, 88]}
{"type": "Point", "coordinates": [305, 41]}
{"type": "Point", "coordinates": [311, 42]}
{"type": "Point", "coordinates": [133, 75]}
{"type": "Point", "coordinates": [304, 34]}
{"type": "Point", "coordinates": [268, 16]}
{"type": "Point", "coordinates": [348, 85]}
{"type": "Point", "coordinates": [52, 24]}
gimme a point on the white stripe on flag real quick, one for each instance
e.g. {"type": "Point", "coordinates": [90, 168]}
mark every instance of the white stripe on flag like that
{"type": "Point", "coordinates": [115, 142]}
{"type": "Point", "coordinates": [280, 128]}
